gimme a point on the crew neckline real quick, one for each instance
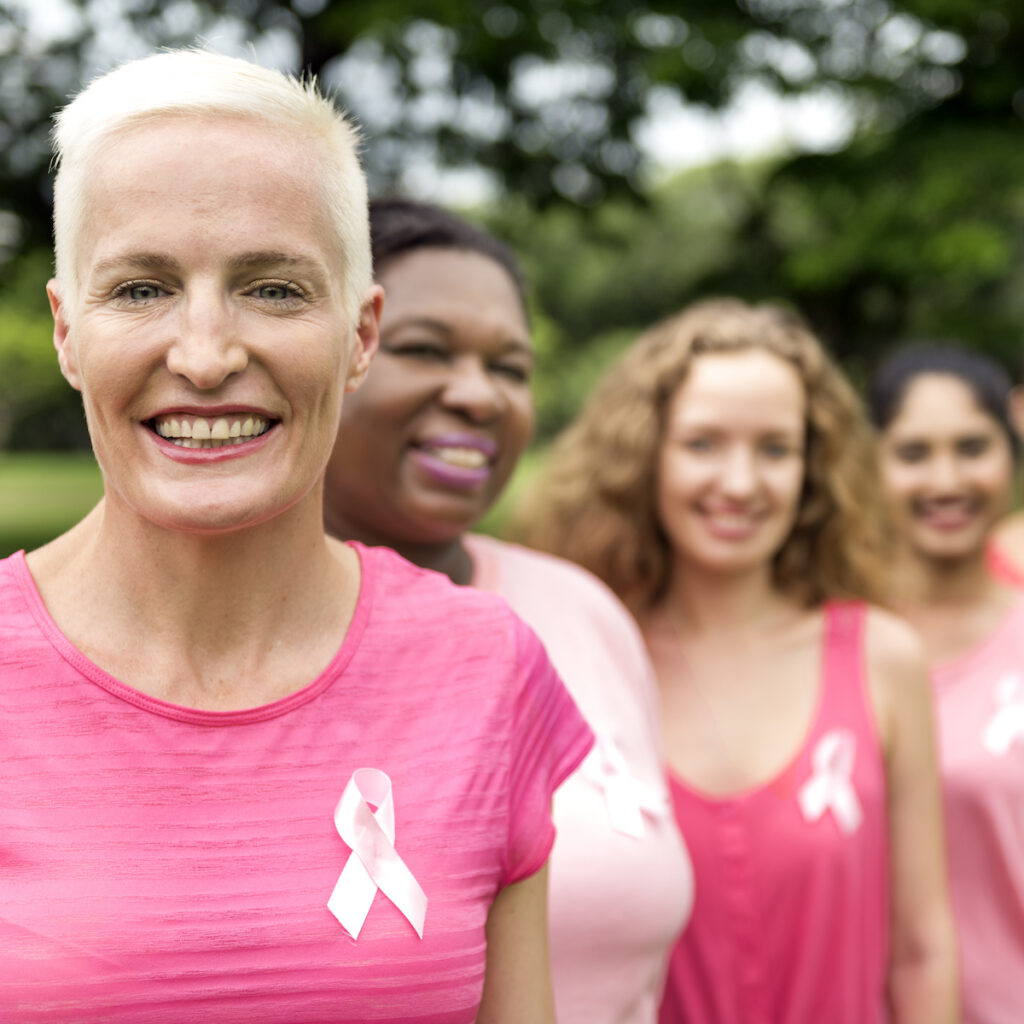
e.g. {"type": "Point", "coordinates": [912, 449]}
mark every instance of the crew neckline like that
{"type": "Point", "coordinates": [199, 716]}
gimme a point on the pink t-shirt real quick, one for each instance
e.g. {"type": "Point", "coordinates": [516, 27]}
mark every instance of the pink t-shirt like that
{"type": "Point", "coordinates": [161, 864]}
{"type": "Point", "coordinates": [790, 919]}
{"type": "Point", "coordinates": [980, 710]}
{"type": "Point", "coordinates": [621, 885]}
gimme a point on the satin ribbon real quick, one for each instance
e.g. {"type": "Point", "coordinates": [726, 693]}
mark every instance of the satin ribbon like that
{"type": "Point", "coordinates": [374, 862]}
{"type": "Point", "coordinates": [626, 797]}
{"type": "Point", "coordinates": [1007, 723]}
{"type": "Point", "coordinates": [829, 787]}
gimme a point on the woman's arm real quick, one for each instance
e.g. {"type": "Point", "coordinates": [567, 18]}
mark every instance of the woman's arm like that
{"type": "Point", "coordinates": [517, 985]}
{"type": "Point", "coordinates": [923, 985]}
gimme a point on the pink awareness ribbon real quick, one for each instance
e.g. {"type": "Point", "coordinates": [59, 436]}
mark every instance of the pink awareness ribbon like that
{"type": "Point", "coordinates": [829, 788]}
{"type": "Point", "coordinates": [626, 797]}
{"type": "Point", "coordinates": [1007, 723]}
{"type": "Point", "coordinates": [374, 862]}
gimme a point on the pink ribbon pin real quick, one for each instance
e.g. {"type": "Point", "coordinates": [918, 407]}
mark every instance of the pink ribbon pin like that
{"type": "Point", "coordinates": [829, 788]}
{"type": "Point", "coordinates": [626, 797]}
{"type": "Point", "coordinates": [1007, 723]}
{"type": "Point", "coordinates": [374, 862]}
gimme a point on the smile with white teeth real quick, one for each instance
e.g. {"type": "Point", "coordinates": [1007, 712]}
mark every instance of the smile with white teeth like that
{"type": "Point", "coordinates": [200, 432]}
{"type": "Point", "coordinates": [464, 458]}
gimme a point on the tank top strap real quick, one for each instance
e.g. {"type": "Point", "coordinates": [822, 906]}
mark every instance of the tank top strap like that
{"type": "Point", "coordinates": [844, 684]}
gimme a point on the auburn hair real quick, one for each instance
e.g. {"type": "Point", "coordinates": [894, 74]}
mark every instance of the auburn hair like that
{"type": "Point", "coordinates": [594, 500]}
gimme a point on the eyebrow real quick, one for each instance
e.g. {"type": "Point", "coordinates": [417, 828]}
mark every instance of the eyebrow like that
{"type": "Point", "coordinates": [152, 261]}
{"type": "Point", "coordinates": [444, 329]}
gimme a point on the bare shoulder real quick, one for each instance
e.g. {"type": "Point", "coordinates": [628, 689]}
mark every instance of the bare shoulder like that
{"type": "Point", "coordinates": [897, 669]}
{"type": "Point", "coordinates": [893, 646]}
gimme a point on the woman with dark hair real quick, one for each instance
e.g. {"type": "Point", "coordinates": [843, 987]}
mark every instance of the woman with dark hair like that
{"type": "Point", "coordinates": [721, 480]}
{"type": "Point", "coordinates": [948, 453]}
{"type": "Point", "coordinates": [425, 448]}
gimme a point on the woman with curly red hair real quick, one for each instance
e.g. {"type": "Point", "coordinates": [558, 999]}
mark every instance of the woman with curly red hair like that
{"type": "Point", "coordinates": [721, 480]}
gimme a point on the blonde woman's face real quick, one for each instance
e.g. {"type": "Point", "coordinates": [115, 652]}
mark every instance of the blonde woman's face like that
{"type": "Point", "coordinates": [209, 336]}
{"type": "Point", "coordinates": [731, 466]}
{"type": "Point", "coordinates": [947, 468]}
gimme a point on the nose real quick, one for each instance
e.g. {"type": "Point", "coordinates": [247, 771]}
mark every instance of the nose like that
{"type": "Point", "coordinates": [945, 473]}
{"type": "Point", "coordinates": [207, 348]}
{"type": "Point", "coordinates": [471, 390]}
{"type": "Point", "coordinates": [739, 474]}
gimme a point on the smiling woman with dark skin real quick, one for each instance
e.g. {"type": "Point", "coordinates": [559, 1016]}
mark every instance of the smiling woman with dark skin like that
{"type": "Point", "coordinates": [948, 455]}
{"type": "Point", "coordinates": [424, 449]}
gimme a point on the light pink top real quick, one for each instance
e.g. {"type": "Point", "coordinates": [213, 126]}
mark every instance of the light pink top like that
{"type": "Point", "coordinates": [790, 920]}
{"type": "Point", "coordinates": [980, 710]}
{"type": "Point", "coordinates": [160, 864]}
{"type": "Point", "coordinates": [617, 900]}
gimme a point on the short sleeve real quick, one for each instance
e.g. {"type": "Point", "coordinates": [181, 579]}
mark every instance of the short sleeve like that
{"type": "Point", "coordinates": [549, 739]}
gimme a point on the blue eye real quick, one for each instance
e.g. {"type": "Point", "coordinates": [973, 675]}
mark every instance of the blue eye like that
{"type": "Point", "coordinates": [276, 291]}
{"type": "Point", "coordinates": [138, 291]}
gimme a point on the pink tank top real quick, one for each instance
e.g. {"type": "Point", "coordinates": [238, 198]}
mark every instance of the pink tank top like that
{"type": "Point", "coordinates": [790, 916]}
{"type": "Point", "coordinates": [1002, 566]}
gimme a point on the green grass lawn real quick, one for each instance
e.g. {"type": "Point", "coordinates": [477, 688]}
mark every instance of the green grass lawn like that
{"type": "Point", "coordinates": [42, 494]}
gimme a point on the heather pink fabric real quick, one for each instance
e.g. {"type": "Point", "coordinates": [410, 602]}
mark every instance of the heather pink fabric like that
{"type": "Point", "coordinates": [790, 917]}
{"type": "Point", "coordinates": [980, 710]}
{"type": "Point", "coordinates": [161, 864]}
{"type": "Point", "coordinates": [617, 902]}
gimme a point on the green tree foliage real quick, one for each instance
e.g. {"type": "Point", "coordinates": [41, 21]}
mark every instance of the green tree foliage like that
{"type": "Point", "coordinates": [30, 381]}
{"type": "Point", "coordinates": [917, 227]}
{"type": "Point", "coordinates": [545, 94]}
{"type": "Point", "coordinates": [912, 228]}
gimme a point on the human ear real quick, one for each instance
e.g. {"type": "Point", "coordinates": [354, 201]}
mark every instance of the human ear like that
{"type": "Point", "coordinates": [366, 339]}
{"type": "Point", "coordinates": [62, 334]}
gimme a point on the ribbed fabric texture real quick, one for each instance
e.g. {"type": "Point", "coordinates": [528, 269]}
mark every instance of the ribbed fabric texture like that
{"type": "Point", "coordinates": [979, 696]}
{"type": "Point", "coordinates": [790, 917]}
{"type": "Point", "coordinates": [617, 902]}
{"type": "Point", "coordinates": [160, 864]}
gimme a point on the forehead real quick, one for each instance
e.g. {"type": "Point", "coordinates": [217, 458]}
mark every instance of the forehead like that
{"type": "Point", "coordinates": [746, 390]}
{"type": "Point", "coordinates": [451, 285]}
{"type": "Point", "coordinates": [940, 404]}
{"type": "Point", "coordinates": [196, 183]}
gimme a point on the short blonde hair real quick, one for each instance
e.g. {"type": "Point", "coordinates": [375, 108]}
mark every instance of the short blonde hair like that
{"type": "Point", "coordinates": [204, 84]}
{"type": "Point", "coordinates": [594, 501]}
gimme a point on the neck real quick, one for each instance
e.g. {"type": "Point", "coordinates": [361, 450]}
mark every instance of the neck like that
{"type": "Point", "coordinates": [118, 584]}
{"type": "Point", "coordinates": [948, 581]}
{"type": "Point", "coordinates": [448, 556]}
{"type": "Point", "coordinates": [705, 602]}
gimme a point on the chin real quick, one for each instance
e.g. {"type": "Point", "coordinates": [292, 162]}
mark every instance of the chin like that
{"type": "Point", "coordinates": [954, 552]}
